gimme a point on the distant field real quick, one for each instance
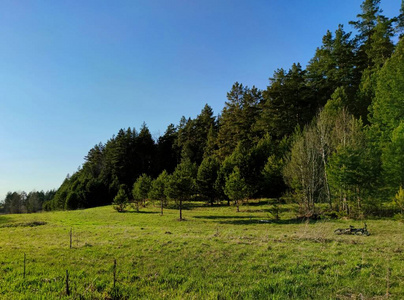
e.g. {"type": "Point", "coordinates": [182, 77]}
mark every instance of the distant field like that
{"type": "Point", "coordinates": [215, 254]}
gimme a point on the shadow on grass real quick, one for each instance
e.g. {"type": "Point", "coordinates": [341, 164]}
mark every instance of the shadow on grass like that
{"type": "Point", "coordinates": [262, 202]}
{"type": "Point", "coordinates": [141, 212]}
{"type": "Point", "coordinates": [265, 210]}
{"type": "Point", "coordinates": [248, 220]}
{"type": "Point", "coordinates": [262, 222]}
{"type": "Point", "coordinates": [4, 219]}
{"type": "Point", "coordinates": [222, 217]}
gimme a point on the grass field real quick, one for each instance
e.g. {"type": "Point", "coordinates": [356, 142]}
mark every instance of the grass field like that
{"type": "Point", "coordinates": [215, 253]}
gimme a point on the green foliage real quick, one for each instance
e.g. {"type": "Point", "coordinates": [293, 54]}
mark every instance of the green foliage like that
{"type": "Point", "coordinates": [141, 189]}
{"type": "Point", "coordinates": [21, 202]}
{"type": "Point", "coordinates": [388, 106]}
{"type": "Point", "coordinates": [304, 169]}
{"type": "Point", "coordinates": [236, 188]}
{"type": "Point", "coordinates": [400, 21]}
{"type": "Point", "coordinates": [167, 153]}
{"type": "Point", "coordinates": [287, 103]}
{"type": "Point", "coordinates": [333, 66]}
{"type": "Point", "coordinates": [238, 118]}
{"type": "Point", "coordinates": [272, 175]}
{"type": "Point", "coordinates": [207, 176]}
{"type": "Point", "coordinates": [182, 183]}
{"type": "Point", "coordinates": [158, 187]}
{"type": "Point", "coordinates": [193, 135]}
{"type": "Point", "coordinates": [399, 199]}
{"type": "Point", "coordinates": [121, 199]}
{"type": "Point", "coordinates": [72, 201]}
{"type": "Point", "coordinates": [393, 159]}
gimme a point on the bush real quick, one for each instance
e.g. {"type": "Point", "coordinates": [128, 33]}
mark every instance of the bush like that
{"type": "Point", "coordinates": [121, 200]}
{"type": "Point", "coordinates": [399, 199]}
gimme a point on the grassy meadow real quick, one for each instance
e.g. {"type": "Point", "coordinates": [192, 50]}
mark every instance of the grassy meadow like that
{"type": "Point", "coordinates": [216, 253]}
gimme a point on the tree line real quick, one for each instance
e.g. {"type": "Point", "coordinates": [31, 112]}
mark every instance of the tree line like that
{"type": "Point", "coordinates": [328, 135]}
{"type": "Point", "coordinates": [21, 202]}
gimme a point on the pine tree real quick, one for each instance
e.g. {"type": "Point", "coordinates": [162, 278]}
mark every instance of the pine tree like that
{"type": "Point", "coordinates": [236, 188]}
{"type": "Point", "coordinates": [286, 103]}
{"type": "Point", "coordinates": [333, 66]}
{"type": "Point", "coordinates": [157, 189]}
{"type": "Point", "coordinates": [181, 185]}
{"type": "Point", "coordinates": [206, 178]}
{"type": "Point", "coordinates": [393, 159]}
{"type": "Point", "coordinates": [167, 154]}
{"type": "Point", "coordinates": [387, 109]}
{"type": "Point", "coordinates": [121, 199]}
{"type": "Point", "coordinates": [141, 189]}
{"type": "Point", "coordinates": [236, 124]}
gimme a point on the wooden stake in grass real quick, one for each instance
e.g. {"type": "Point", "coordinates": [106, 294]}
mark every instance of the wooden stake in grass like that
{"type": "Point", "coordinates": [71, 235]}
{"type": "Point", "coordinates": [67, 283]}
{"type": "Point", "coordinates": [114, 272]}
{"type": "Point", "coordinates": [24, 263]}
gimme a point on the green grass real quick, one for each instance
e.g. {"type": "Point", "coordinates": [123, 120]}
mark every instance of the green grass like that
{"type": "Point", "coordinates": [215, 254]}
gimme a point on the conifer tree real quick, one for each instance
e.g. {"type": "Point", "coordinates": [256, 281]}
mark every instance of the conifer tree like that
{"type": "Point", "coordinates": [236, 188]}
{"type": "Point", "coordinates": [121, 199]}
{"type": "Point", "coordinates": [206, 178]}
{"type": "Point", "coordinates": [158, 187]}
{"type": "Point", "coordinates": [141, 189]}
{"type": "Point", "coordinates": [181, 185]}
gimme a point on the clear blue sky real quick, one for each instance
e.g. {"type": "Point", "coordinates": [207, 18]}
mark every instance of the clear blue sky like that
{"type": "Point", "coordinates": [72, 73]}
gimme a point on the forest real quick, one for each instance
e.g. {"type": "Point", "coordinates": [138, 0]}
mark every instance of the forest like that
{"type": "Point", "coordinates": [329, 137]}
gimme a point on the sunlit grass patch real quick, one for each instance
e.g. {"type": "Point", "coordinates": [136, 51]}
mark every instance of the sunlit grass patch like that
{"type": "Point", "coordinates": [215, 253]}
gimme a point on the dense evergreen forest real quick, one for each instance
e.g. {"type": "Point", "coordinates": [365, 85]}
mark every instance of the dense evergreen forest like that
{"type": "Point", "coordinates": [327, 136]}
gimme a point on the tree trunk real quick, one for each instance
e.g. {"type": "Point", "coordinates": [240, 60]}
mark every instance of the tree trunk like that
{"type": "Point", "coordinates": [238, 206]}
{"type": "Point", "coordinates": [359, 202]}
{"type": "Point", "coordinates": [327, 186]}
{"type": "Point", "coordinates": [162, 207]}
{"type": "Point", "coordinates": [180, 210]}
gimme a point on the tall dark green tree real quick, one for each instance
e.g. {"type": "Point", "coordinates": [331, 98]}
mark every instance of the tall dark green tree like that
{"type": "Point", "coordinates": [237, 121]}
{"type": "Point", "coordinates": [400, 21]}
{"type": "Point", "coordinates": [334, 66]}
{"type": "Point", "coordinates": [374, 47]}
{"type": "Point", "coordinates": [286, 103]}
{"type": "Point", "coordinates": [193, 134]}
{"type": "Point", "coordinates": [387, 109]}
{"type": "Point", "coordinates": [393, 160]}
{"type": "Point", "coordinates": [167, 153]}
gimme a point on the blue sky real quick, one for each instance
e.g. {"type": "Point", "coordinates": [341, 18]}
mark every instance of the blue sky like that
{"type": "Point", "coordinates": [72, 73]}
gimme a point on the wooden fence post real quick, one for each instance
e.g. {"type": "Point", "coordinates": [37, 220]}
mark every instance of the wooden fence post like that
{"type": "Point", "coordinates": [24, 263]}
{"type": "Point", "coordinates": [67, 283]}
{"type": "Point", "coordinates": [71, 233]}
{"type": "Point", "coordinates": [114, 272]}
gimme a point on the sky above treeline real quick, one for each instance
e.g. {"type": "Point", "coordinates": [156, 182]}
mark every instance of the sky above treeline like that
{"type": "Point", "coordinates": [72, 73]}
